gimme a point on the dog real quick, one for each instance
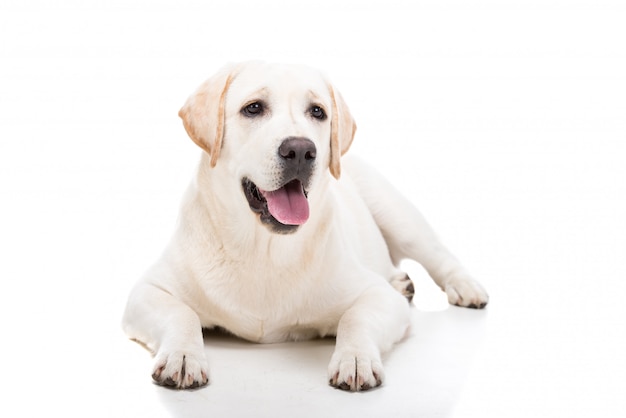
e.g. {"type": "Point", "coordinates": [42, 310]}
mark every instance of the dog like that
{"type": "Point", "coordinates": [282, 237]}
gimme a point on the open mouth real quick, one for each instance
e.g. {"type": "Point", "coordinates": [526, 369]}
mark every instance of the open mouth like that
{"type": "Point", "coordinates": [285, 208]}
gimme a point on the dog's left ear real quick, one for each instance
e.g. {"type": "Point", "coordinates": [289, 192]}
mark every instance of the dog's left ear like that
{"type": "Point", "coordinates": [203, 113]}
{"type": "Point", "coordinates": [342, 127]}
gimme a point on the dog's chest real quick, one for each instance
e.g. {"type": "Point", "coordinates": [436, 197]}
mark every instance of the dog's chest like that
{"type": "Point", "coordinates": [272, 331]}
{"type": "Point", "coordinates": [271, 305]}
{"type": "Point", "coordinates": [274, 323]}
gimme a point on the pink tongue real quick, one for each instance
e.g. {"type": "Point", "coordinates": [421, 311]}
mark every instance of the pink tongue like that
{"type": "Point", "coordinates": [288, 204]}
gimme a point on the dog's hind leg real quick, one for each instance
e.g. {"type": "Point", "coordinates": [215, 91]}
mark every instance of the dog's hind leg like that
{"type": "Point", "coordinates": [409, 236]}
{"type": "Point", "coordinates": [403, 284]}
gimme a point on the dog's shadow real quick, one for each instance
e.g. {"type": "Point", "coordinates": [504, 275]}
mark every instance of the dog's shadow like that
{"type": "Point", "coordinates": [425, 374]}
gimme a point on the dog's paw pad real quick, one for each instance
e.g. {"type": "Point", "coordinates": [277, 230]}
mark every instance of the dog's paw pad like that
{"type": "Point", "coordinates": [466, 292]}
{"type": "Point", "coordinates": [404, 285]}
{"type": "Point", "coordinates": [355, 372]}
{"type": "Point", "coordinates": [181, 370]}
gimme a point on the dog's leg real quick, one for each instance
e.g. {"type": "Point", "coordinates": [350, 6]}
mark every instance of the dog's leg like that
{"type": "Point", "coordinates": [408, 235]}
{"type": "Point", "coordinates": [377, 319]}
{"type": "Point", "coordinates": [403, 284]}
{"type": "Point", "coordinates": [172, 331]}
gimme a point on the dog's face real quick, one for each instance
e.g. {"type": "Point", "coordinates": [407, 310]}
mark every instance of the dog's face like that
{"type": "Point", "coordinates": [277, 140]}
{"type": "Point", "coordinates": [277, 129]}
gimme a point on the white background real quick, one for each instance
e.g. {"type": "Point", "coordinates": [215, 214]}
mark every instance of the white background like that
{"type": "Point", "coordinates": [505, 122]}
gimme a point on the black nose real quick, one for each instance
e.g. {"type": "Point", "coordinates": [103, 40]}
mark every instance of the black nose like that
{"type": "Point", "coordinates": [297, 153]}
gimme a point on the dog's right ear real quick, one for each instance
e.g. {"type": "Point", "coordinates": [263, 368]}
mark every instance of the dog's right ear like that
{"type": "Point", "coordinates": [203, 113]}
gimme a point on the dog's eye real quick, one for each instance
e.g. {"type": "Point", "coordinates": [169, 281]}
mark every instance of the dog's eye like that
{"type": "Point", "coordinates": [317, 112]}
{"type": "Point", "coordinates": [253, 109]}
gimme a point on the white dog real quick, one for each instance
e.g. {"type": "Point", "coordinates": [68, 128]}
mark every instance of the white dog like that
{"type": "Point", "coordinates": [281, 239]}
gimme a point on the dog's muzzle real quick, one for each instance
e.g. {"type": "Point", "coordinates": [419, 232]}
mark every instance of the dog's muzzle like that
{"type": "Point", "coordinates": [285, 208]}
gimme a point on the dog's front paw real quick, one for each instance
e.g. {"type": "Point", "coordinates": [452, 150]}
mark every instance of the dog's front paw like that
{"type": "Point", "coordinates": [467, 292]}
{"type": "Point", "coordinates": [355, 371]}
{"type": "Point", "coordinates": [181, 370]}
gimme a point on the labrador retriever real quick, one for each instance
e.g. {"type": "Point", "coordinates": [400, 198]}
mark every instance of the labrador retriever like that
{"type": "Point", "coordinates": [280, 238]}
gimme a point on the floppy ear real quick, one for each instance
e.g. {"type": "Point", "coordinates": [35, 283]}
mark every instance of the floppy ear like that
{"type": "Point", "coordinates": [342, 129]}
{"type": "Point", "coordinates": [203, 113]}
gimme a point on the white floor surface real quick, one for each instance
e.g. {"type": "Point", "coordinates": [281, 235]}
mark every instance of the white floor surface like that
{"type": "Point", "coordinates": [505, 122]}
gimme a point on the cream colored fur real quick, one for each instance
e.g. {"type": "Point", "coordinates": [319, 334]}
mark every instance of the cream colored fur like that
{"type": "Point", "coordinates": [224, 268]}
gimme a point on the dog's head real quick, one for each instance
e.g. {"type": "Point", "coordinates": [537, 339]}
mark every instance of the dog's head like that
{"type": "Point", "coordinates": [277, 128]}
